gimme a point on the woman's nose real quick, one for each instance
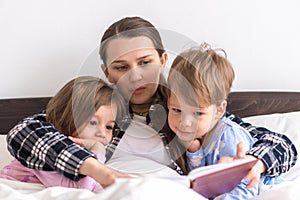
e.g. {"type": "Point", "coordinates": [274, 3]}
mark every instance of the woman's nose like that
{"type": "Point", "coordinates": [135, 74]}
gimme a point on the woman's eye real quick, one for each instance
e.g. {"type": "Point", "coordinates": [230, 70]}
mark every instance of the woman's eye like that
{"type": "Point", "coordinates": [145, 62]}
{"type": "Point", "coordinates": [121, 68]}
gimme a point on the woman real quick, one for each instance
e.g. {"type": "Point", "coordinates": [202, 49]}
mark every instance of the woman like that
{"type": "Point", "coordinates": [133, 59]}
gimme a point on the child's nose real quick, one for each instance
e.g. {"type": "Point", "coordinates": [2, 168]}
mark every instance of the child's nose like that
{"type": "Point", "coordinates": [100, 132]}
{"type": "Point", "coordinates": [186, 121]}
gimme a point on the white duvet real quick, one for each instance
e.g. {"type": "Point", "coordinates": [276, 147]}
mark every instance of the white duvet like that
{"type": "Point", "coordinates": [152, 185]}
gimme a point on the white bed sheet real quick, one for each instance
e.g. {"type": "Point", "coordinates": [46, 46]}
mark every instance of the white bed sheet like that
{"type": "Point", "coordinates": [151, 185]}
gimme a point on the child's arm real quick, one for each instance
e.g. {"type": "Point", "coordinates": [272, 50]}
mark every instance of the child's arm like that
{"type": "Point", "coordinates": [227, 146]}
{"type": "Point", "coordinates": [240, 192]}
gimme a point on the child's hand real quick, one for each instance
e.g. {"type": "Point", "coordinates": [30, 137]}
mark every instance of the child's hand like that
{"type": "Point", "coordinates": [254, 174]}
{"type": "Point", "coordinates": [87, 143]}
{"type": "Point", "coordinates": [90, 144]}
{"type": "Point", "coordinates": [194, 146]}
{"type": "Point", "coordinates": [98, 147]}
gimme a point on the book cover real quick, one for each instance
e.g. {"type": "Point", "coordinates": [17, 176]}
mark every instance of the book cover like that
{"type": "Point", "coordinates": [214, 180]}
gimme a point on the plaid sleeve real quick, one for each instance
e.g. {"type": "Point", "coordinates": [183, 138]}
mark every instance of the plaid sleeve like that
{"type": "Point", "coordinates": [38, 145]}
{"type": "Point", "coordinates": [275, 150]}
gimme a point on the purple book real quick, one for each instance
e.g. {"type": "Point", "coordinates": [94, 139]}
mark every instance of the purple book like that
{"type": "Point", "coordinates": [214, 180]}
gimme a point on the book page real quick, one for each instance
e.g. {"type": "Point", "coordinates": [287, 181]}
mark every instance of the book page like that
{"type": "Point", "coordinates": [214, 180]}
{"type": "Point", "coordinates": [217, 167]}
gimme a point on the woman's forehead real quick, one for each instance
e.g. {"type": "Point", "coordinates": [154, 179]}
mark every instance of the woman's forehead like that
{"type": "Point", "coordinates": [120, 48]}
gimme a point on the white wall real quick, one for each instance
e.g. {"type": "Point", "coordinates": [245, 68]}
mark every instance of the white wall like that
{"type": "Point", "coordinates": [45, 43]}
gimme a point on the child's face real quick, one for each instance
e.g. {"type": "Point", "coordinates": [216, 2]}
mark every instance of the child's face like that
{"type": "Point", "coordinates": [135, 65]}
{"type": "Point", "coordinates": [100, 125]}
{"type": "Point", "coordinates": [190, 122]}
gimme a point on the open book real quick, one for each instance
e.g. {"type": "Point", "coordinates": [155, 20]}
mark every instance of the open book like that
{"type": "Point", "coordinates": [209, 181]}
{"type": "Point", "coordinates": [214, 180]}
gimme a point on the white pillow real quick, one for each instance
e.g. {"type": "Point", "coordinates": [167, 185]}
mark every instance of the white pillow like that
{"type": "Point", "coordinates": [286, 123]}
{"type": "Point", "coordinates": [5, 156]}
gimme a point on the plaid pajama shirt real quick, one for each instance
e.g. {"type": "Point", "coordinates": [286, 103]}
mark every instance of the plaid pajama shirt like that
{"type": "Point", "coordinates": [38, 145]}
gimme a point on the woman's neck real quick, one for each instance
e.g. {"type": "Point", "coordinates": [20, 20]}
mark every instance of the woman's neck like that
{"type": "Point", "coordinates": [140, 109]}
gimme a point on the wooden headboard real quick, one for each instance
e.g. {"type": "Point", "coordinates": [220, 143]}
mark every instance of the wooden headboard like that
{"type": "Point", "coordinates": [242, 104]}
{"type": "Point", "coordinates": [245, 104]}
{"type": "Point", "coordinates": [13, 110]}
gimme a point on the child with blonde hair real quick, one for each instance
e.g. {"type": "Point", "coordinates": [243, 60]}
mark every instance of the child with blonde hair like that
{"type": "Point", "coordinates": [200, 81]}
{"type": "Point", "coordinates": [83, 109]}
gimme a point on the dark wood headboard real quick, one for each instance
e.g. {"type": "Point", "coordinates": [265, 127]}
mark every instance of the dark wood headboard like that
{"type": "Point", "coordinates": [13, 110]}
{"type": "Point", "coordinates": [245, 104]}
{"type": "Point", "coordinates": [242, 104]}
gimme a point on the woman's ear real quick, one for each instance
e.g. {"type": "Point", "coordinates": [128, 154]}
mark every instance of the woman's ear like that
{"type": "Point", "coordinates": [105, 71]}
{"type": "Point", "coordinates": [221, 109]}
{"type": "Point", "coordinates": [164, 58]}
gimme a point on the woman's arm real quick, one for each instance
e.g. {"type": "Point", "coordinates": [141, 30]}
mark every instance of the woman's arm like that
{"type": "Point", "coordinates": [38, 145]}
{"type": "Point", "coordinates": [275, 150]}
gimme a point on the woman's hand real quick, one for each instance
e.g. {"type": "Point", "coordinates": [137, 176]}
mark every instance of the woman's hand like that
{"type": "Point", "coordinates": [93, 168]}
{"type": "Point", "coordinates": [254, 174]}
{"type": "Point", "coordinates": [101, 173]}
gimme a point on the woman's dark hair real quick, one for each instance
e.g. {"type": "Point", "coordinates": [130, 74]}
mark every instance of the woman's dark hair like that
{"type": "Point", "coordinates": [130, 27]}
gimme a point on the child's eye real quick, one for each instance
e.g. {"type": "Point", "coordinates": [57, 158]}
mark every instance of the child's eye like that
{"type": "Point", "coordinates": [108, 127]}
{"type": "Point", "coordinates": [176, 110]}
{"type": "Point", "coordinates": [93, 122]}
{"type": "Point", "coordinates": [198, 113]}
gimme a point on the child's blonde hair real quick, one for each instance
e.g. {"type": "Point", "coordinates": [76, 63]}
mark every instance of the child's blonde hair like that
{"type": "Point", "coordinates": [76, 102]}
{"type": "Point", "coordinates": [201, 76]}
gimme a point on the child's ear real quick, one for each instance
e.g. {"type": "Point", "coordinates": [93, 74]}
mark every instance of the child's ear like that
{"type": "Point", "coordinates": [105, 71]}
{"type": "Point", "coordinates": [168, 102]}
{"type": "Point", "coordinates": [221, 109]}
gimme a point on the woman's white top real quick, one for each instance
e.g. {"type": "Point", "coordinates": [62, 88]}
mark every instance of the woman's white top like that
{"type": "Point", "coordinates": [138, 148]}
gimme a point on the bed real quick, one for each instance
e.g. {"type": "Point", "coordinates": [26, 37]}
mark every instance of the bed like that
{"type": "Point", "coordinates": [278, 111]}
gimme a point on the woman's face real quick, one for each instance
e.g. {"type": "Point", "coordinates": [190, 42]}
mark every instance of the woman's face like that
{"type": "Point", "coordinates": [135, 66]}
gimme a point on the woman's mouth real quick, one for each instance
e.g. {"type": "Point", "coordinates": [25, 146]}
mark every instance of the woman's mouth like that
{"type": "Point", "coordinates": [139, 91]}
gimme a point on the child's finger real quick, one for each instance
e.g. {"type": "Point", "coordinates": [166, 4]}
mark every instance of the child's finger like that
{"type": "Point", "coordinates": [225, 159]}
{"type": "Point", "coordinates": [240, 151]}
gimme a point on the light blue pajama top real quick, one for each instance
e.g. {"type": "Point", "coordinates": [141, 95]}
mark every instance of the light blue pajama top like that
{"type": "Point", "coordinates": [224, 142]}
